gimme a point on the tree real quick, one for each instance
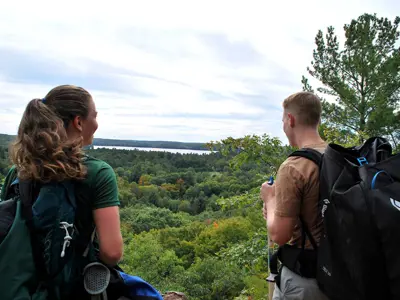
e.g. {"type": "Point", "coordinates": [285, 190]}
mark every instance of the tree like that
{"type": "Point", "coordinates": [261, 150]}
{"type": "Point", "coordinates": [145, 218]}
{"type": "Point", "coordinates": [341, 136]}
{"type": "Point", "coordinates": [144, 179]}
{"type": "Point", "coordinates": [363, 77]}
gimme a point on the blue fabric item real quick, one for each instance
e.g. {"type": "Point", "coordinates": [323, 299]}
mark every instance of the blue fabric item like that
{"type": "Point", "coordinates": [138, 287]}
{"type": "Point", "coordinates": [44, 100]}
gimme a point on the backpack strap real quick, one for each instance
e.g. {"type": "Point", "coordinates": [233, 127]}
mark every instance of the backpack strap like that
{"type": "Point", "coordinates": [306, 232]}
{"type": "Point", "coordinates": [316, 157]}
{"type": "Point", "coordinates": [92, 237]}
{"type": "Point", "coordinates": [309, 153]}
{"type": "Point", "coordinates": [28, 191]}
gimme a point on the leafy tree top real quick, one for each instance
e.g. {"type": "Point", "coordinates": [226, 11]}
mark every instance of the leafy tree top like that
{"type": "Point", "coordinates": [363, 76]}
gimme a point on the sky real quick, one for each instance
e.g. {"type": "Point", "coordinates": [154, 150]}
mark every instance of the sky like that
{"type": "Point", "coordinates": [191, 71]}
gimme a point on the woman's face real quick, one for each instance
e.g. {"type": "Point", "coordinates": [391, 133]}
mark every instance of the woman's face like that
{"type": "Point", "coordinates": [89, 125]}
{"type": "Point", "coordinates": [84, 127]}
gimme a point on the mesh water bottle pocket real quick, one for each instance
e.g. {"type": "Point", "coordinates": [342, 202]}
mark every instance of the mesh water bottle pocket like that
{"type": "Point", "coordinates": [96, 278]}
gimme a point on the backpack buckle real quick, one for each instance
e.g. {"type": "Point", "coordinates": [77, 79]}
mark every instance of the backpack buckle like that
{"type": "Point", "coordinates": [362, 160]}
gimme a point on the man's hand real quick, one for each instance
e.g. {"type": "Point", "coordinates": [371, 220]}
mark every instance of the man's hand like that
{"type": "Point", "coordinates": [267, 194]}
{"type": "Point", "coordinates": [267, 191]}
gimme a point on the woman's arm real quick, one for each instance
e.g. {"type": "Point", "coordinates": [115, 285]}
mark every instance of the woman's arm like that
{"type": "Point", "coordinates": [106, 216]}
{"type": "Point", "coordinates": [109, 234]}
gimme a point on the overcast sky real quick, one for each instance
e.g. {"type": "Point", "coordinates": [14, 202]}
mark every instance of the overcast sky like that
{"type": "Point", "coordinates": [168, 70]}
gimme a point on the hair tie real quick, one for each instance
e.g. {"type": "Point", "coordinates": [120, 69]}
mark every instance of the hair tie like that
{"type": "Point", "coordinates": [44, 100]}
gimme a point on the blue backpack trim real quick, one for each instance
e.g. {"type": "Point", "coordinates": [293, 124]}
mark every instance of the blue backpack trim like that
{"type": "Point", "coordinates": [136, 286]}
{"type": "Point", "coordinates": [130, 287]}
{"type": "Point", "coordinates": [373, 181]}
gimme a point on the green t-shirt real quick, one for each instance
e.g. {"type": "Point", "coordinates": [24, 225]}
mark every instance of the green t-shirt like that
{"type": "Point", "coordinates": [98, 190]}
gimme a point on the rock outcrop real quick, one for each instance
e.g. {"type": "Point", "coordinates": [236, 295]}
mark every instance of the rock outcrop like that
{"type": "Point", "coordinates": [174, 296]}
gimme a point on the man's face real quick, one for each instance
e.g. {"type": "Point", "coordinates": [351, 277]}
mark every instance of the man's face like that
{"type": "Point", "coordinates": [288, 126]}
{"type": "Point", "coordinates": [285, 122]}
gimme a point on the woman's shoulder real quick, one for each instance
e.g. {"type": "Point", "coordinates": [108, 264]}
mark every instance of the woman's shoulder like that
{"type": "Point", "coordinates": [102, 182]}
{"type": "Point", "coordinates": [95, 164]}
{"type": "Point", "coordinates": [98, 170]}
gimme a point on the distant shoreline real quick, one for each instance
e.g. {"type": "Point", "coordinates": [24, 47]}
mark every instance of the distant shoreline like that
{"type": "Point", "coordinates": [171, 150]}
{"type": "Point", "coordinates": [5, 139]}
{"type": "Point", "coordinates": [150, 144]}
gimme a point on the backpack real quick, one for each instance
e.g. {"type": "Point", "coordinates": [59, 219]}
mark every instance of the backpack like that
{"type": "Point", "coordinates": [358, 255]}
{"type": "Point", "coordinates": [42, 254]}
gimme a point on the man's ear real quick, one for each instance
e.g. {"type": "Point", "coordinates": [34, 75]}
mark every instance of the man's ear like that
{"type": "Point", "coordinates": [77, 123]}
{"type": "Point", "coordinates": [292, 120]}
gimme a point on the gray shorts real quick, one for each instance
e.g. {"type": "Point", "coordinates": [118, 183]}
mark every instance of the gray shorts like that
{"type": "Point", "coordinates": [295, 287]}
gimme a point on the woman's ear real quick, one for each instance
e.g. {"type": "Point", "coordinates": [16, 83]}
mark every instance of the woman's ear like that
{"type": "Point", "coordinates": [77, 123]}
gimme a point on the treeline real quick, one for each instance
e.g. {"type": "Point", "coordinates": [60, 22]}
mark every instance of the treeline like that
{"type": "Point", "coordinates": [149, 144]}
{"type": "Point", "coordinates": [6, 138]}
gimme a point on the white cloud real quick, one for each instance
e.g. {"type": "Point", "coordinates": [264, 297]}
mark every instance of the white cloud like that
{"type": "Point", "coordinates": [164, 56]}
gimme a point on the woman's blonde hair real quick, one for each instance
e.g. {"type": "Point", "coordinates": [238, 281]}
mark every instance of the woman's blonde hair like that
{"type": "Point", "coordinates": [42, 150]}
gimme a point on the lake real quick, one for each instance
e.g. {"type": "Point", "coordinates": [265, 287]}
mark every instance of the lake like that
{"type": "Point", "coordinates": [182, 151]}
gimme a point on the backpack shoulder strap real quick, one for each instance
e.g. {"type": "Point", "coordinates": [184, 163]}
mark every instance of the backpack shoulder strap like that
{"type": "Point", "coordinates": [316, 157]}
{"type": "Point", "coordinates": [309, 153]}
{"type": "Point", "coordinates": [28, 190]}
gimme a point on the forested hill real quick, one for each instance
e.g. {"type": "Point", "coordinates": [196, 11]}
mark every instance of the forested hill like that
{"type": "Point", "coordinates": [149, 144]}
{"type": "Point", "coordinates": [5, 138]}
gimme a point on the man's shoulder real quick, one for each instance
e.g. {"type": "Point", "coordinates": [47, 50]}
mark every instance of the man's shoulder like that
{"type": "Point", "coordinates": [295, 162]}
{"type": "Point", "coordinates": [298, 159]}
{"type": "Point", "coordinates": [301, 164]}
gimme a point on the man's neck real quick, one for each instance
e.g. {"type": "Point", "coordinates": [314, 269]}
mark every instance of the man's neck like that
{"type": "Point", "coordinates": [308, 137]}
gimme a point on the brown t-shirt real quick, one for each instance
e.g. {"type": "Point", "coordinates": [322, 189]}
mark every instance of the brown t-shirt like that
{"type": "Point", "coordinates": [297, 192]}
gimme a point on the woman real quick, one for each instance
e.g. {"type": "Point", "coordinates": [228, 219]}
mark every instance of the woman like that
{"type": "Point", "coordinates": [48, 147]}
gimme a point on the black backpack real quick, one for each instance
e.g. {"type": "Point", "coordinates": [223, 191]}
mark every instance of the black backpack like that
{"type": "Point", "coordinates": [359, 252]}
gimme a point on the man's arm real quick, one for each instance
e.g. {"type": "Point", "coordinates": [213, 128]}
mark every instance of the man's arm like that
{"type": "Point", "coordinates": [283, 205]}
{"type": "Point", "coordinates": [280, 229]}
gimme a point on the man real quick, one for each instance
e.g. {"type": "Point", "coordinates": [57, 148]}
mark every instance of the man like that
{"type": "Point", "coordinates": [295, 194]}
